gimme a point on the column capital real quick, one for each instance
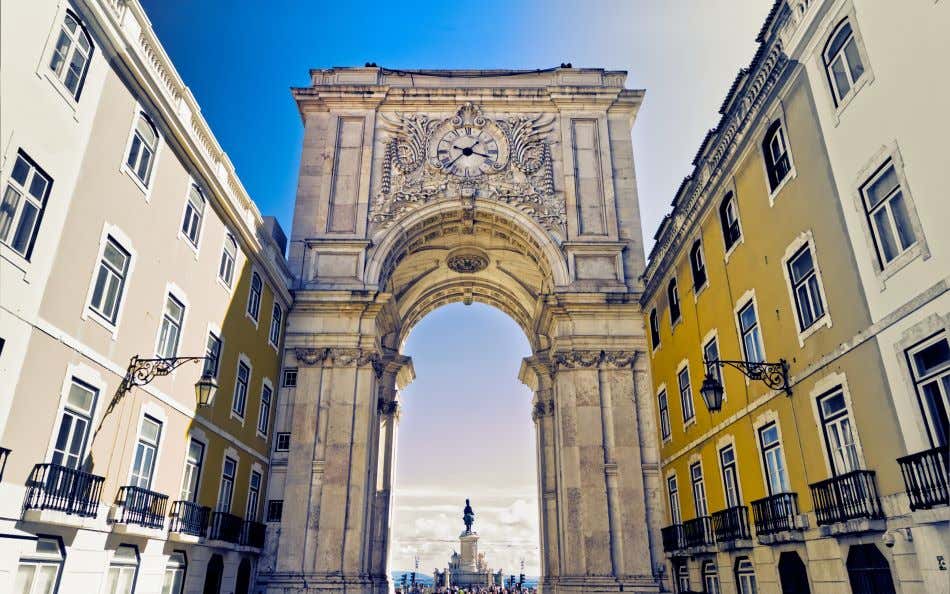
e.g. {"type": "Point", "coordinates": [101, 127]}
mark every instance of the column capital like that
{"type": "Point", "coordinates": [542, 408]}
{"type": "Point", "coordinates": [594, 359]}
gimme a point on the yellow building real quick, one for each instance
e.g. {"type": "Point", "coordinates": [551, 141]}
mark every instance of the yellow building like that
{"type": "Point", "coordinates": [779, 491]}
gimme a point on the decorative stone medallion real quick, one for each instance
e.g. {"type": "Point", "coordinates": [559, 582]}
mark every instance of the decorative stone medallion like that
{"type": "Point", "coordinates": [467, 260]}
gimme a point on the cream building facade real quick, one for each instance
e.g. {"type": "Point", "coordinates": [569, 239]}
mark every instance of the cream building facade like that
{"type": "Point", "coordinates": [421, 188]}
{"type": "Point", "coordinates": [124, 232]}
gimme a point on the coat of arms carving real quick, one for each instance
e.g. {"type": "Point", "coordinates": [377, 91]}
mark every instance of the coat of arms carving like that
{"type": "Point", "coordinates": [507, 159]}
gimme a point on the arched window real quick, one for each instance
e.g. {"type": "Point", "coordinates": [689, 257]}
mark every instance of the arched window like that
{"type": "Point", "coordinates": [775, 150]}
{"type": "Point", "coordinates": [792, 574]}
{"type": "Point", "coordinates": [194, 212]}
{"type": "Point", "coordinates": [673, 294]}
{"type": "Point", "coordinates": [745, 576]}
{"type": "Point", "coordinates": [254, 297]}
{"type": "Point", "coordinates": [174, 581]}
{"type": "Point", "coordinates": [682, 578]}
{"type": "Point", "coordinates": [123, 570]}
{"type": "Point", "coordinates": [697, 262]}
{"type": "Point", "coordinates": [142, 149]}
{"type": "Point", "coordinates": [843, 63]}
{"type": "Point", "coordinates": [228, 255]}
{"type": "Point", "coordinates": [868, 570]}
{"type": "Point", "coordinates": [213, 575]}
{"type": "Point", "coordinates": [729, 219]}
{"type": "Point", "coordinates": [654, 329]}
{"type": "Point", "coordinates": [71, 54]}
{"type": "Point", "coordinates": [711, 578]}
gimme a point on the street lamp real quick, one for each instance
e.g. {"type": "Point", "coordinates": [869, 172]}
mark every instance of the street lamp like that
{"type": "Point", "coordinates": [142, 371]}
{"type": "Point", "coordinates": [773, 375]}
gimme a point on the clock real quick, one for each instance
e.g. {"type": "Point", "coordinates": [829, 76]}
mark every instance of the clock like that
{"type": "Point", "coordinates": [469, 151]}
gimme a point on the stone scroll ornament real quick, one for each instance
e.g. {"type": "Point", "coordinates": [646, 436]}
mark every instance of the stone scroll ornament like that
{"type": "Point", "coordinates": [505, 159]}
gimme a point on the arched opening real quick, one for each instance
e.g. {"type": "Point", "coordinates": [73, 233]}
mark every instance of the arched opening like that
{"type": "Point", "coordinates": [792, 574]}
{"type": "Point", "coordinates": [465, 432]}
{"type": "Point", "coordinates": [242, 584]}
{"type": "Point", "coordinates": [868, 570]}
{"type": "Point", "coordinates": [213, 575]}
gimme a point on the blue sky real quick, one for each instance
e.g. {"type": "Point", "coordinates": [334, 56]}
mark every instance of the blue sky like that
{"type": "Point", "coordinates": [240, 58]}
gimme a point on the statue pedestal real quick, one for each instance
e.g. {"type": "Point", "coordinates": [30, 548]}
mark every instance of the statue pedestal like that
{"type": "Point", "coordinates": [469, 543]}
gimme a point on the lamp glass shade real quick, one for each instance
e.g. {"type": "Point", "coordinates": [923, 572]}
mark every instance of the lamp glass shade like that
{"type": "Point", "coordinates": [205, 389]}
{"type": "Point", "coordinates": [712, 393]}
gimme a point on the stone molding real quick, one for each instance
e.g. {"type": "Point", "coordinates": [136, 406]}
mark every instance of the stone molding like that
{"type": "Point", "coordinates": [542, 408]}
{"type": "Point", "coordinates": [338, 357]}
{"type": "Point", "coordinates": [388, 407]}
{"type": "Point", "coordinates": [594, 359]}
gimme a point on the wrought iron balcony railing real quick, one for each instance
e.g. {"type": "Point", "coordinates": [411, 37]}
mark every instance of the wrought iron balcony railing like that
{"type": "Point", "coordinates": [4, 454]}
{"type": "Point", "coordinates": [189, 518]}
{"type": "Point", "coordinates": [58, 488]}
{"type": "Point", "coordinates": [925, 477]}
{"type": "Point", "coordinates": [252, 534]}
{"type": "Point", "coordinates": [142, 507]}
{"type": "Point", "coordinates": [226, 527]}
{"type": "Point", "coordinates": [731, 524]}
{"type": "Point", "coordinates": [698, 532]}
{"type": "Point", "coordinates": [775, 513]}
{"type": "Point", "coordinates": [673, 538]}
{"type": "Point", "coordinates": [847, 497]}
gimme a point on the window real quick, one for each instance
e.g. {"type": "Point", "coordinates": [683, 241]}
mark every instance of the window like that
{"type": "Point", "coordinates": [213, 352]}
{"type": "Point", "coordinates": [142, 150]}
{"type": "Point", "coordinates": [686, 395]}
{"type": "Point", "coordinates": [122, 570]}
{"type": "Point", "coordinates": [730, 476]}
{"type": "Point", "coordinates": [664, 415]}
{"type": "Point", "coordinates": [839, 437]}
{"type": "Point", "coordinates": [71, 54]}
{"type": "Point", "coordinates": [38, 570]}
{"type": "Point", "coordinates": [699, 489]}
{"type": "Point", "coordinates": [276, 319]}
{"type": "Point", "coordinates": [697, 263]}
{"type": "Point", "coordinates": [193, 461]}
{"type": "Point", "coordinates": [228, 255]}
{"type": "Point", "coordinates": [253, 496]}
{"type": "Point", "coordinates": [194, 211]}
{"type": "Point", "coordinates": [290, 377]}
{"type": "Point", "coordinates": [654, 329]}
{"type": "Point", "coordinates": [671, 487]}
{"type": "Point", "coordinates": [263, 420]}
{"type": "Point", "coordinates": [777, 161]}
{"type": "Point", "coordinates": [24, 200]}
{"type": "Point", "coordinates": [674, 298]}
{"type": "Point", "coordinates": [110, 281]}
{"type": "Point", "coordinates": [929, 364]}
{"type": "Point", "coordinates": [805, 288]}
{"type": "Point", "coordinates": [227, 484]}
{"type": "Point", "coordinates": [682, 578]}
{"type": "Point", "coordinates": [729, 220]}
{"type": "Point", "coordinates": [143, 465]}
{"type": "Point", "coordinates": [170, 331]}
{"type": "Point", "coordinates": [843, 63]}
{"type": "Point", "coordinates": [254, 297]}
{"type": "Point", "coordinates": [888, 214]}
{"type": "Point", "coordinates": [275, 510]}
{"type": "Point", "coordinates": [751, 337]}
{"type": "Point", "coordinates": [282, 442]}
{"type": "Point", "coordinates": [710, 578]}
{"type": "Point", "coordinates": [239, 402]}
{"type": "Point", "coordinates": [174, 582]}
{"type": "Point", "coordinates": [70, 447]}
{"type": "Point", "coordinates": [745, 576]}
{"type": "Point", "coordinates": [711, 353]}
{"type": "Point", "coordinates": [775, 475]}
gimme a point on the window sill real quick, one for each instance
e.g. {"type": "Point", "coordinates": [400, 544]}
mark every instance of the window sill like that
{"type": "Point", "coordinates": [843, 104]}
{"type": "Point", "coordinates": [918, 250]}
{"type": "Point", "coordinates": [68, 98]}
{"type": "Point", "coordinates": [253, 320]}
{"type": "Point", "coordinates": [90, 314]}
{"type": "Point", "coordinates": [225, 285]}
{"type": "Point", "coordinates": [697, 291]}
{"type": "Point", "coordinates": [239, 418]}
{"type": "Point", "coordinates": [822, 322]}
{"type": "Point", "coordinates": [146, 190]}
{"type": "Point", "coordinates": [677, 322]}
{"type": "Point", "coordinates": [773, 194]}
{"type": "Point", "coordinates": [194, 248]}
{"type": "Point", "coordinates": [733, 248]}
{"type": "Point", "coordinates": [261, 435]}
{"type": "Point", "coordinates": [16, 260]}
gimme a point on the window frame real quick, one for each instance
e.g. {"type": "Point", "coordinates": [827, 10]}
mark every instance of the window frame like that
{"type": "Point", "coordinates": [931, 377]}
{"type": "Point", "coordinates": [253, 496]}
{"type": "Point", "coordinates": [764, 450]}
{"type": "Point", "coordinates": [734, 481]}
{"type": "Point", "coordinates": [839, 103]}
{"type": "Point", "coordinates": [39, 559]}
{"type": "Point", "coordinates": [776, 127]}
{"type": "Point", "coordinates": [177, 566]}
{"type": "Point", "coordinates": [711, 583]}
{"type": "Point", "coordinates": [728, 241]}
{"type": "Point", "coordinates": [263, 416]}
{"type": "Point", "coordinates": [698, 486]}
{"type": "Point", "coordinates": [58, 78]}
{"type": "Point", "coordinates": [748, 571]}
{"type": "Point", "coordinates": [685, 394]}
{"type": "Point", "coordinates": [111, 321]}
{"type": "Point", "coordinates": [286, 374]}
{"type": "Point", "coordinates": [255, 298]}
{"type": "Point", "coordinates": [276, 322]}
{"type": "Point", "coordinates": [279, 439]}
{"type": "Point", "coordinates": [65, 408]}
{"type": "Point", "coordinates": [131, 170]}
{"type": "Point", "coordinates": [275, 510]}
{"type": "Point", "coordinates": [213, 363]}
{"type": "Point", "coordinates": [824, 421]}
{"type": "Point", "coordinates": [25, 196]}
{"type": "Point", "coordinates": [183, 304]}
{"type": "Point", "coordinates": [663, 408]}
{"type": "Point", "coordinates": [674, 303]}
{"type": "Point", "coordinates": [919, 246]}
{"type": "Point", "coordinates": [712, 338]}
{"type": "Point", "coordinates": [122, 563]}
{"type": "Point", "coordinates": [698, 269]}
{"type": "Point", "coordinates": [199, 470]}
{"type": "Point", "coordinates": [188, 226]}
{"type": "Point", "coordinates": [654, 329]}
{"type": "Point", "coordinates": [746, 303]}
{"type": "Point", "coordinates": [229, 240]}
{"type": "Point", "coordinates": [805, 242]}
{"type": "Point", "coordinates": [243, 361]}
{"type": "Point", "coordinates": [134, 479]}
{"type": "Point", "coordinates": [229, 480]}
{"type": "Point", "coordinates": [673, 497]}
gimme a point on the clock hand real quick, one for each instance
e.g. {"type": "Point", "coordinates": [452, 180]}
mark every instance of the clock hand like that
{"type": "Point", "coordinates": [453, 161]}
{"type": "Point", "coordinates": [481, 154]}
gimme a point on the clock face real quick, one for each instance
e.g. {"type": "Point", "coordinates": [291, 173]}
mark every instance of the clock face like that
{"type": "Point", "coordinates": [468, 152]}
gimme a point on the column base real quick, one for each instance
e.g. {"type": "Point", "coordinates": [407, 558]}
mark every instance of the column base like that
{"type": "Point", "coordinates": [321, 583]}
{"type": "Point", "coordinates": [585, 584]}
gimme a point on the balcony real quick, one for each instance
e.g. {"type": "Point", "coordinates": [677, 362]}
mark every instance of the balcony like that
{"type": "Point", "coordinates": [252, 534]}
{"type": "Point", "coordinates": [140, 508]}
{"type": "Point", "coordinates": [225, 527]}
{"type": "Point", "coordinates": [188, 521]}
{"type": "Point", "coordinates": [4, 454]}
{"type": "Point", "coordinates": [731, 528]}
{"type": "Point", "coordinates": [698, 532]}
{"type": "Point", "coordinates": [925, 477]}
{"type": "Point", "coordinates": [61, 495]}
{"type": "Point", "coordinates": [776, 519]}
{"type": "Point", "coordinates": [848, 503]}
{"type": "Point", "coordinates": [673, 538]}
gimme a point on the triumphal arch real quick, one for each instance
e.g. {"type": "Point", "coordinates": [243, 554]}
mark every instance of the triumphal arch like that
{"type": "Point", "coordinates": [512, 188]}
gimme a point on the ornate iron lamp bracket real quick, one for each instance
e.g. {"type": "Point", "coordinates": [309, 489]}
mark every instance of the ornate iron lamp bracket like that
{"type": "Point", "coordinates": [773, 375]}
{"type": "Point", "coordinates": [142, 371]}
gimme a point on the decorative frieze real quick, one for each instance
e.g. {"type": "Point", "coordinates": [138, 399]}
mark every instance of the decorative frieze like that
{"type": "Point", "coordinates": [338, 357]}
{"type": "Point", "coordinates": [591, 359]}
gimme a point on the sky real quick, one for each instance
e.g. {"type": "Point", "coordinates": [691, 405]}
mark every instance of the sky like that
{"type": "Point", "coordinates": [240, 58]}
